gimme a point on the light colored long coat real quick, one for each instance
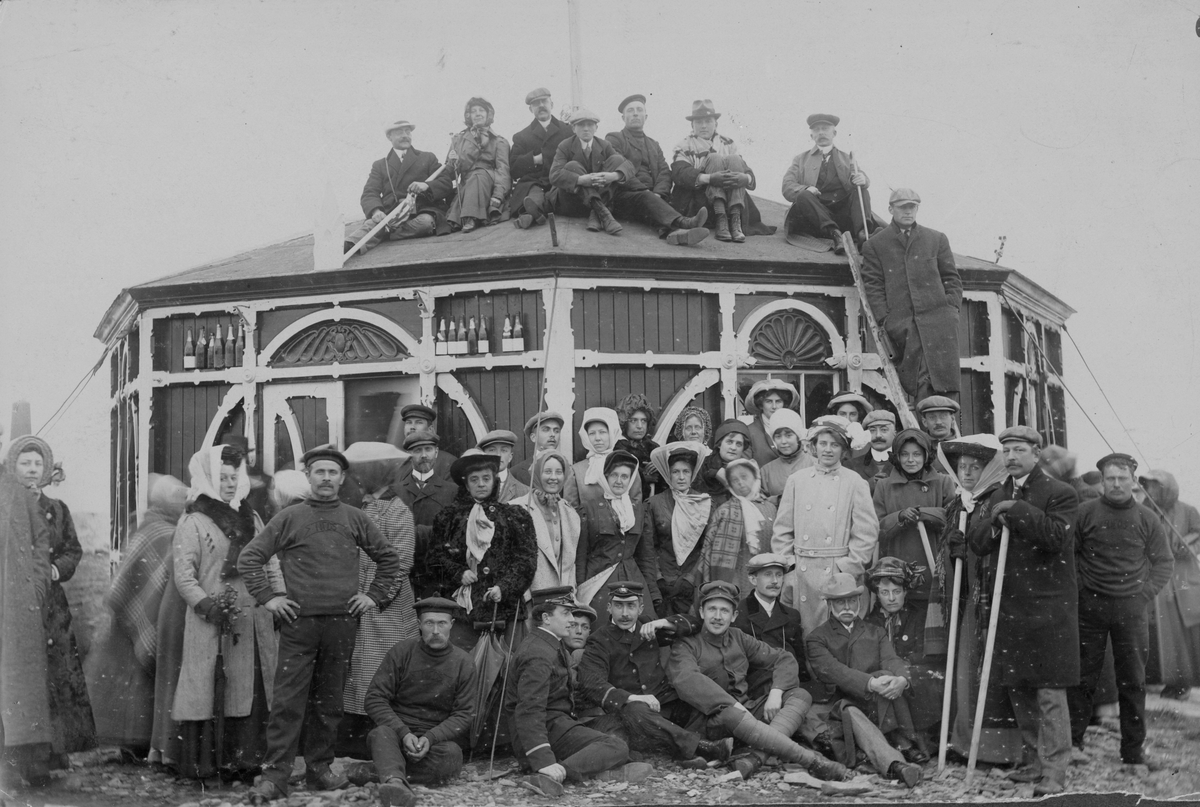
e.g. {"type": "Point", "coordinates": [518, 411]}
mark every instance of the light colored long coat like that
{"type": "Point", "coordinates": [827, 522]}
{"type": "Point", "coordinates": [553, 569]}
{"type": "Point", "coordinates": [200, 548]}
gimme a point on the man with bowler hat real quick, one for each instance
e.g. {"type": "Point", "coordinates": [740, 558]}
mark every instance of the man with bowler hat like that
{"type": "Point", "coordinates": [403, 171]}
{"type": "Point", "coordinates": [421, 700]}
{"type": "Point", "coordinates": [1037, 638]}
{"type": "Point", "coordinates": [1123, 561]}
{"type": "Point", "coordinates": [624, 686]}
{"type": "Point", "coordinates": [317, 541]}
{"type": "Point", "coordinates": [915, 292]}
{"type": "Point", "coordinates": [646, 197]}
{"type": "Point", "coordinates": [540, 703]}
{"type": "Point", "coordinates": [820, 183]}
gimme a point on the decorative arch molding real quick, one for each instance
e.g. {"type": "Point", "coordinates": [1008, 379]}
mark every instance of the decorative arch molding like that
{"type": "Point", "coordinates": [235, 396]}
{"type": "Point", "coordinates": [450, 385]}
{"type": "Point", "coordinates": [759, 315]}
{"type": "Point", "coordinates": [345, 335]}
{"type": "Point", "coordinates": [670, 413]}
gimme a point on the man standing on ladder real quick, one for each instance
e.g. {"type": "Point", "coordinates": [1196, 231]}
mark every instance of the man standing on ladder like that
{"type": "Point", "coordinates": [914, 291]}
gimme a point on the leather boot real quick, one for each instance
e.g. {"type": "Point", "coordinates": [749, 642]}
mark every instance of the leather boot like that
{"type": "Point", "coordinates": [1053, 782]}
{"type": "Point", "coordinates": [723, 228]}
{"type": "Point", "coordinates": [735, 226]}
{"type": "Point", "coordinates": [534, 210]}
{"type": "Point", "coordinates": [698, 220]}
{"type": "Point", "coordinates": [593, 222]}
{"type": "Point", "coordinates": [396, 793]}
{"type": "Point", "coordinates": [905, 772]}
{"type": "Point", "coordinates": [715, 751]}
{"type": "Point", "coordinates": [761, 737]}
{"type": "Point", "coordinates": [605, 216]}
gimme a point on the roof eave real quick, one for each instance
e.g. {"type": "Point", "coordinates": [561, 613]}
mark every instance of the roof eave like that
{"type": "Point", "coordinates": [118, 320]}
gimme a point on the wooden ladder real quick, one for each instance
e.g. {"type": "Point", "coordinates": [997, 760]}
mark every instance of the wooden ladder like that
{"type": "Point", "coordinates": [882, 344]}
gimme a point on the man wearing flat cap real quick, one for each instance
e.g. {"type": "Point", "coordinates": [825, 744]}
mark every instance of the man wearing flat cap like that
{"type": "Point", "coordinates": [710, 671]}
{"type": "Point", "coordinates": [586, 172]}
{"type": "Point", "coordinates": [938, 416]}
{"type": "Point", "coordinates": [709, 174]}
{"type": "Point", "coordinates": [915, 292]}
{"type": "Point", "coordinates": [624, 687]}
{"type": "Point", "coordinates": [531, 157]}
{"type": "Point", "coordinates": [403, 171]}
{"type": "Point", "coordinates": [1037, 639]}
{"type": "Point", "coordinates": [583, 618]}
{"type": "Point", "coordinates": [856, 658]}
{"type": "Point", "coordinates": [317, 541]}
{"type": "Point", "coordinates": [881, 425]}
{"type": "Point", "coordinates": [646, 197]}
{"type": "Point", "coordinates": [419, 417]}
{"type": "Point", "coordinates": [820, 183]}
{"type": "Point", "coordinates": [1123, 560]}
{"type": "Point", "coordinates": [426, 493]}
{"type": "Point", "coordinates": [482, 553]}
{"type": "Point", "coordinates": [544, 430]}
{"type": "Point", "coordinates": [540, 703]}
{"type": "Point", "coordinates": [421, 699]}
{"type": "Point", "coordinates": [500, 442]}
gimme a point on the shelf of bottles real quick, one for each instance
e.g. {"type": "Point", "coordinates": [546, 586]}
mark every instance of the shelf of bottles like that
{"type": "Point", "coordinates": [466, 338]}
{"type": "Point", "coordinates": [214, 350]}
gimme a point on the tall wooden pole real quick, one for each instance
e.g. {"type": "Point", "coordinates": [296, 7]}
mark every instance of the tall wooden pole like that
{"type": "Point", "coordinates": [574, 24]}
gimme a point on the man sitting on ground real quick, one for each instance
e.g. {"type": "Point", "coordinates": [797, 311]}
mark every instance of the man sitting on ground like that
{"type": "Point", "coordinates": [625, 688]}
{"type": "Point", "coordinates": [421, 699]}
{"type": "Point", "coordinates": [710, 672]}
{"type": "Point", "coordinates": [857, 658]}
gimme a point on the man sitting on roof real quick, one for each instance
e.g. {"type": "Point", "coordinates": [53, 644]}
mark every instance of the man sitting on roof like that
{"type": "Point", "coordinates": [820, 183]}
{"type": "Point", "coordinates": [586, 172]}
{"type": "Point", "coordinates": [404, 171]}
{"type": "Point", "coordinates": [531, 156]}
{"type": "Point", "coordinates": [709, 174]}
{"type": "Point", "coordinates": [646, 197]}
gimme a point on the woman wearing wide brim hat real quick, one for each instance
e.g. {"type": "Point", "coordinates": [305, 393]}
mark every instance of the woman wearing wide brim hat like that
{"type": "Point", "coordinates": [851, 405]}
{"type": "Point", "coordinates": [766, 397]}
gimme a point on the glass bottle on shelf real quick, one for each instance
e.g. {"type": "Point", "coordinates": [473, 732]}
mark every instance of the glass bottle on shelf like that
{"type": "Point", "coordinates": [230, 347]}
{"type": "Point", "coordinates": [202, 349]}
{"type": "Point", "coordinates": [239, 347]}
{"type": "Point", "coordinates": [189, 352]}
{"type": "Point", "coordinates": [218, 350]}
{"type": "Point", "coordinates": [485, 346]}
{"type": "Point", "coordinates": [472, 338]}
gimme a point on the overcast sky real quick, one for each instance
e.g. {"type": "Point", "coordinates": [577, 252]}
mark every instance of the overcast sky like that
{"type": "Point", "coordinates": [138, 139]}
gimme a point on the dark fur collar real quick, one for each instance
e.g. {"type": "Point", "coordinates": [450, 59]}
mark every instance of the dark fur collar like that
{"type": "Point", "coordinates": [238, 527]}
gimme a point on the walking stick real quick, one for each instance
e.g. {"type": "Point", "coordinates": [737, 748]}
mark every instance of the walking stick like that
{"type": "Point", "coordinates": [989, 648]}
{"type": "Point", "coordinates": [861, 204]}
{"type": "Point", "coordinates": [405, 208]}
{"type": "Point", "coordinates": [951, 649]}
{"type": "Point", "coordinates": [503, 687]}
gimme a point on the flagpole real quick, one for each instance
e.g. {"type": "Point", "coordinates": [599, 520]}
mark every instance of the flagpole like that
{"type": "Point", "coordinates": [574, 25]}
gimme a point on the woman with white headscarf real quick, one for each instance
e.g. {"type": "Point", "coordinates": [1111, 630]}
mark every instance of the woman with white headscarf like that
{"type": "Point", "coordinates": [738, 529]}
{"type": "Point", "coordinates": [223, 622]}
{"type": "Point", "coordinates": [675, 522]}
{"type": "Point", "coordinates": [612, 545]}
{"type": "Point", "coordinates": [557, 526]}
{"type": "Point", "coordinates": [826, 520]}
{"type": "Point", "coordinates": [599, 434]}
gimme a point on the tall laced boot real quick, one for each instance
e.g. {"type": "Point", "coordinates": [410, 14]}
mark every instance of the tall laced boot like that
{"type": "Point", "coordinates": [763, 738]}
{"type": "Point", "coordinates": [735, 225]}
{"type": "Point", "coordinates": [723, 233]}
{"type": "Point", "coordinates": [605, 217]}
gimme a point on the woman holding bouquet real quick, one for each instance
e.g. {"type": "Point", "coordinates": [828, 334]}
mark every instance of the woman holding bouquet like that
{"type": "Point", "coordinates": [223, 624]}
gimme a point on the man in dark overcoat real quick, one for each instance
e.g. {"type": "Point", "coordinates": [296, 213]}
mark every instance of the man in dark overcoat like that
{"type": "Point", "coordinates": [881, 424]}
{"type": "Point", "coordinates": [426, 492]}
{"type": "Point", "coordinates": [915, 292]}
{"type": "Point", "coordinates": [647, 196]}
{"type": "Point", "coordinates": [402, 171]}
{"type": "Point", "coordinates": [820, 183]}
{"type": "Point", "coordinates": [547, 735]}
{"type": "Point", "coordinates": [586, 171]}
{"type": "Point", "coordinates": [1037, 639]}
{"type": "Point", "coordinates": [417, 418]}
{"type": "Point", "coordinates": [623, 685]}
{"type": "Point", "coordinates": [531, 156]}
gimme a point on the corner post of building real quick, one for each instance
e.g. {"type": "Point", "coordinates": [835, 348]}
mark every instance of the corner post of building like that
{"type": "Point", "coordinates": [854, 345]}
{"type": "Point", "coordinates": [997, 360]}
{"type": "Point", "coordinates": [559, 366]}
{"type": "Point", "coordinates": [730, 360]}
{"type": "Point", "coordinates": [142, 388]}
{"type": "Point", "coordinates": [427, 349]}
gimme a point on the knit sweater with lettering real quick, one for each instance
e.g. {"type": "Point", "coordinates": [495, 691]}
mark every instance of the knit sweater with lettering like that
{"type": "Point", "coordinates": [317, 543]}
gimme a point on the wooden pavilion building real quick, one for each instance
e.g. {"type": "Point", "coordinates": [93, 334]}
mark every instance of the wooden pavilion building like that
{"type": "Point", "coordinates": [311, 357]}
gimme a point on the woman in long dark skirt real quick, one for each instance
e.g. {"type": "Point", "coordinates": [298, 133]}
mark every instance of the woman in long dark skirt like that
{"type": "Point", "coordinates": [71, 723]}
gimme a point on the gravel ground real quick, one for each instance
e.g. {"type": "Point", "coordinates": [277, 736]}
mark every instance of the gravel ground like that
{"type": "Point", "coordinates": [1172, 748]}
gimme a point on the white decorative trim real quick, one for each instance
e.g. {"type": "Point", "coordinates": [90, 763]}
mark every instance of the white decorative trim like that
{"type": "Point", "coordinates": [235, 396]}
{"type": "Point", "coordinates": [560, 362]}
{"type": "Point", "coordinates": [699, 382]}
{"type": "Point", "coordinates": [836, 343]}
{"type": "Point", "coordinates": [337, 314]}
{"type": "Point", "coordinates": [450, 385]}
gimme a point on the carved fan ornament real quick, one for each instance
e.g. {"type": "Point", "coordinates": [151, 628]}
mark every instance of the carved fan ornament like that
{"type": "Point", "coordinates": [342, 342]}
{"type": "Point", "coordinates": [789, 339]}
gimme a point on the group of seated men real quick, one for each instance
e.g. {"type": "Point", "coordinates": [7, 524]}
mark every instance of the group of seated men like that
{"type": "Point", "coordinates": [555, 166]}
